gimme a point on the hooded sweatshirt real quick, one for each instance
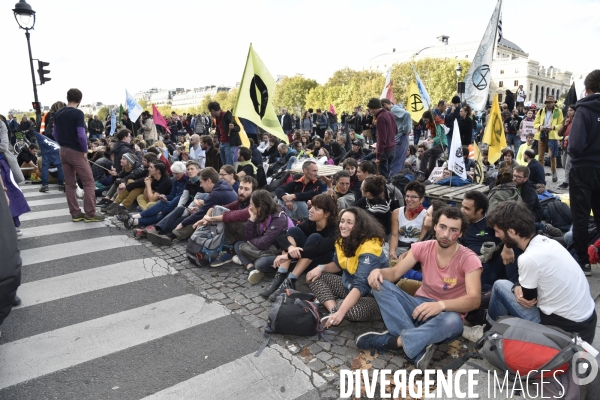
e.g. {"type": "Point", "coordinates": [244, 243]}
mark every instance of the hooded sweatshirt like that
{"type": "Point", "coordinates": [584, 138]}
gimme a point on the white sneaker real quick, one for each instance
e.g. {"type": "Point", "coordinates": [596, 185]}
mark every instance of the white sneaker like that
{"type": "Point", "coordinates": [473, 333]}
{"type": "Point", "coordinates": [79, 192]}
{"type": "Point", "coordinates": [255, 276]}
{"type": "Point", "coordinates": [236, 260]}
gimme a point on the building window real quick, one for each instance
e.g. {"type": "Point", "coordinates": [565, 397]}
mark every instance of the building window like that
{"type": "Point", "coordinates": [516, 70]}
{"type": "Point", "coordinates": [498, 54]}
{"type": "Point", "coordinates": [536, 93]}
{"type": "Point", "coordinates": [501, 71]}
{"type": "Point", "coordinates": [501, 84]}
{"type": "Point", "coordinates": [552, 92]}
{"type": "Point", "coordinates": [500, 98]}
{"type": "Point", "coordinates": [557, 93]}
{"type": "Point", "coordinates": [516, 83]}
{"type": "Point", "coordinates": [466, 56]}
{"type": "Point", "coordinates": [530, 86]}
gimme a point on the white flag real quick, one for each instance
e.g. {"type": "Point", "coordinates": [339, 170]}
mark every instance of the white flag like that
{"type": "Point", "coordinates": [423, 91]}
{"type": "Point", "coordinates": [477, 81]}
{"type": "Point", "coordinates": [456, 162]}
{"type": "Point", "coordinates": [133, 107]}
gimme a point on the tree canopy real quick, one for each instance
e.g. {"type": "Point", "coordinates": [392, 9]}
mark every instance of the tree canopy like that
{"type": "Point", "coordinates": [291, 93]}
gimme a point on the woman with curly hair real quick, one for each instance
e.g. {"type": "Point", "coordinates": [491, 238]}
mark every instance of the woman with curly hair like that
{"type": "Point", "coordinates": [358, 251]}
{"type": "Point", "coordinates": [310, 244]}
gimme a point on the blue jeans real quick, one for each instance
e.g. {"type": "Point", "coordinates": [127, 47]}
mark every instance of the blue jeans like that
{"type": "Point", "coordinates": [227, 153]}
{"type": "Point", "coordinates": [157, 212]}
{"type": "Point", "coordinates": [46, 161]}
{"type": "Point", "coordinates": [396, 308]}
{"type": "Point", "coordinates": [170, 222]}
{"type": "Point", "coordinates": [291, 162]}
{"type": "Point", "coordinates": [400, 157]}
{"type": "Point", "coordinates": [569, 237]}
{"type": "Point", "coordinates": [299, 212]}
{"type": "Point", "coordinates": [514, 140]}
{"type": "Point", "coordinates": [503, 302]}
{"type": "Point", "coordinates": [385, 163]}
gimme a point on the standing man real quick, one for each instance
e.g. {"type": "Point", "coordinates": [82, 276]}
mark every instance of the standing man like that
{"type": "Point", "coordinates": [321, 122]}
{"type": "Point", "coordinates": [452, 113]}
{"type": "Point", "coordinates": [149, 128]}
{"type": "Point", "coordinates": [404, 125]}
{"type": "Point", "coordinates": [521, 96]}
{"type": "Point", "coordinates": [584, 177]}
{"type": "Point", "coordinates": [69, 132]}
{"type": "Point", "coordinates": [286, 124]}
{"type": "Point", "coordinates": [95, 127]}
{"type": "Point", "coordinates": [228, 132]}
{"type": "Point", "coordinates": [440, 109]}
{"type": "Point", "coordinates": [547, 122]}
{"type": "Point", "coordinates": [386, 136]}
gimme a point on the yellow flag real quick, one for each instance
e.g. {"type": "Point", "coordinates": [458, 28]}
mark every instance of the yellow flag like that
{"type": "Point", "coordinates": [414, 105]}
{"type": "Point", "coordinates": [494, 133]}
{"type": "Point", "coordinates": [255, 97]}
{"type": "Point", "coordinates": [479, 173]}
{"type": "Point", "coordinates": [243, 135]}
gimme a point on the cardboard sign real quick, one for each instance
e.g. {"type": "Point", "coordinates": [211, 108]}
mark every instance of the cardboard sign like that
{"type": "Point", "coordinates": [527, 128]}
{"type": "Point", "coordinates": [436, 174]}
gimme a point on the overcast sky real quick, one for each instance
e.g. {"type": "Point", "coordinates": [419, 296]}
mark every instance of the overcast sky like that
{"type": "Point", "coordinates": [104, 47]}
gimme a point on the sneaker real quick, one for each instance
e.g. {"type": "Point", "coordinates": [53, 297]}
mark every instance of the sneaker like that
{"type": "Point", "coordinates": [223, 258]}
{"type": "Point", "coordinates": [277, 281]}
{"type": "Point", "coordinates": [199, 259]}
{"type": "Point", "coordinates": [108, 207]}
{"type": "Point", "coordinates": [587, 269]}
{"type": "Point", "coordinates": [564, 185]}
{"type": "Point", "coordinates": [551, 230]}
{"type": "Point", "coordinates": [103, 201]}
{"type": "Point", "coordinates": [554, 177]}
{"type": "Point", "coordinates": [287, 284]}
{"type": "Point", "coordinates": [19, 233]}
{"type": "Point", "coordinates": [77, 218]}
{"type": "Point", "coordinates": [17, 301]}
{"type": "Point", "coordinates": [94, 218]}
{"type": "Point", "coordinates": [157, 239]}
{"type": "Point", "coordinates": [128, 223]}
{"type": "Point", "coordinates": [236, 260]}
{"type": "Point", "coordinates": [473, 333]}
{"type": "Point", "coordinates": [79, 192]}
{"type": "Point", "coordinates": [422, 362]}
{"type": "Point", "coordinates": [373, 341]}
{"type": "Point", "coordinates": [123, 215]}
{"type": "Point", "coordinates": [115, 210]}
{"type": "Point", "coordinates": [61, 188]}
{"type": "Point", "coordinates": [255, 276]}
{"type": "Point", "coordinates": [44, 189]}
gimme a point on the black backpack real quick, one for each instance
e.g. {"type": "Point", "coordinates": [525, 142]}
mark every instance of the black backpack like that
{"type": "Point", "coordinates": [402, 178]}
{"type": "Point", "coordinates": [558, 214]}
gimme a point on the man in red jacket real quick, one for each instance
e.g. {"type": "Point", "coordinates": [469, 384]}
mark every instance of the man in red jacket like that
{"type": "Point", "coordinates": [386, 136]}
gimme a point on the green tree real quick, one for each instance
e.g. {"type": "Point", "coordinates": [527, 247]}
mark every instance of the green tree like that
{"type": "Point", "coordinates": [143, 103]}
{"type": "Point", "coordinates": [291, 93]}
{"type": "Point", "coordinates": [103, 113]}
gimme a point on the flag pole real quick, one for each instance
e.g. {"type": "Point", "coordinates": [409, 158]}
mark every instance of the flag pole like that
{"type": "Point", "coordinates": [496, 31]}
{"type": "Point", "coordinates": [242, 81]}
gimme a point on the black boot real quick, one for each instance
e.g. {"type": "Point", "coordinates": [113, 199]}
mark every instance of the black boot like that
{"type": "Point", "coordinates": [277, 281]}
{"type": "Point", "coordinates": [287, 284]}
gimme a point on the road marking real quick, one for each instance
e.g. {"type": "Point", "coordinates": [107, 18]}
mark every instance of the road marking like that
{"type": "Point", "coordinates": [248, 377]}
{"type": "Point", "coordinates": [37, 193]}
{"type": "Point", "coordinates": [88, 246]}
{"type": "Point", "coordinates": [64, 227]}
{"type": "Point", "coordinates": [68, 285]}
{"type": "Point", "coordinates": [48, 352]}
{"type": "Point", "coordinates": [31, 188]}
{"type": "Point", "coordinates": [32, 216]}
{"type": "Point", "coordinates": [44, 202]}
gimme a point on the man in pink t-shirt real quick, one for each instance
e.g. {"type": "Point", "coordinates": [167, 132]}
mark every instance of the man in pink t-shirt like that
{"type": "Point", "coordinates": [451, 288]}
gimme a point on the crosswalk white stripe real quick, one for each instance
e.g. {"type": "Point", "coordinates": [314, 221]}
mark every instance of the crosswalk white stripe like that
{"type": "Point", "coordinates": [37, 193]}
{"type": "Point", "coordinates": [43, 202]}
{"type": "Point", "coordinates": [64, 227]}
{"type": "Point", "coordinates": [248, 377]}
{"type": "Point", "coordinates": [48, 352]}
{"type": "Point", "coordinates": [58, 251]}
{"type": "Point", "coordinates": [27, 188]}
{"type": "Point", "coordinates": [68, 285]}
{"type": "Point", "coordinates": [31, 216]}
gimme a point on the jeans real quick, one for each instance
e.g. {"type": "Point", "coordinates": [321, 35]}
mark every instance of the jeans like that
{"type": "Point", "coordinates": [514, 140]}
{"type": "Point", "coordinates": [385, 163]}
{"type": "Point", "coordinates": [569, 237]}
{"type": "Point", "coordinates": [74, 164]}
{"type": "Point", "coordinates": [400, 155]}
{"type": "Point", "coordinates": [246, 261]}
{"type": "Point", "coordinates": [95, 136]}
{"type": "Point", "coordinates": [503, 302]}
{"type": "Point", "coordinates": [584, 191]}
{"type": "Point", "coordinates": [291, 162]}
{"type": "Point", "coordinates": [154, 214]}
{"type": "Point", "coordinates": [396, 308]}
{"type": "Point", "coordinates": [495, 269]}
{"type": "Point", "coordinates": [46, 161]}
{"type": "Point", "coordinates": [170, 222]}
{"type": "Point", "coordinates": [299, 212]}
{"type": "Point", "coordinates": [227, 153]}
{"type": "Point", "coordinates": [429, 158]}
{"type": "Point", "coordinates": [552, 147]}
{"type": "Point", "coordinates": [566, 162]}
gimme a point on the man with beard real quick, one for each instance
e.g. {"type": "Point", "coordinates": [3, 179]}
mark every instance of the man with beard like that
{"type": "Point", "coordinates": [451, 288]}
{"type": "Point", "coordinates": [552, 289]}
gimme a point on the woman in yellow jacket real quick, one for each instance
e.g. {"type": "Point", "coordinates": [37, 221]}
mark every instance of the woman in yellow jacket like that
{"type": "Point", "coordinates": [547, 122]}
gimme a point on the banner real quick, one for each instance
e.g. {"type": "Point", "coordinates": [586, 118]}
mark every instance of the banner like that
{"type": "Point", "coordinates": [527, 128]}
{"type": "Point", "coordinates": [479, 173]}
{"type": "Point", "coordinates": [422, 90]}
{"type": "Point", "coordinates": [159, 119]}
{"type": "Point", "coordinates": [243, 134]}
{"type": "Point", "coordinates": [113, 122]}
{"type": "Point", "coordinates": [456, 162]}
{"type": "Point", "coordinates": [133, 107]}
{"type": "Point", "coordinates": [478, 79]}
{"type": "Point", "coordinates": [494, 133]}
{"type": "Point", "coordinates": [436, 174]}
{"type": "Point", "coordinates": [255, 97]}
{"type": "Point", "coordinates": [414, 105]}
{"type": "Point", "coordinates": [388, 88]}
{"type": "Point", "coordinates": [332, 109]}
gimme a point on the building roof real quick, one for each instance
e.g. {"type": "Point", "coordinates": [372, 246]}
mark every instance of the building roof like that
{"type": "Point", "coordinates": [510, 45]}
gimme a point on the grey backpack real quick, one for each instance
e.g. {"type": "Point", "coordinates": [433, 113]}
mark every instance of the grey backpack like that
{"type": "Point", "coordinates": [208, 239]}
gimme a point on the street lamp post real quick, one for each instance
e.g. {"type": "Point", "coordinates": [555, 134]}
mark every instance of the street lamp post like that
{"type": "Point", "coordinates": [458, 71]}
{"type": "Point", "coordinates": [25, 17]}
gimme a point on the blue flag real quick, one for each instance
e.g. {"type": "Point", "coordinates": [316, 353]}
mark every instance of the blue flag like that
{"type": "Point", "coordinates": [113, 122]}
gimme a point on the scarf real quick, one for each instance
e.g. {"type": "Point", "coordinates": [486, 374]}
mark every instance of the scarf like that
{"type": "Point", "coordinates": [412, 214]}
{"type": "Point", "coordinates": [350, 264]}
{"type": "Point", "coordinates": [194, 179]}
{"type": "Point", "coordinates": [244, 163]}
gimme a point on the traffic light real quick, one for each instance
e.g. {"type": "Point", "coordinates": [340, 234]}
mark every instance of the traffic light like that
{"type": "Point", "coordinates": [37, 105]}
{"type": "Point", "coordinates": [42, 72]}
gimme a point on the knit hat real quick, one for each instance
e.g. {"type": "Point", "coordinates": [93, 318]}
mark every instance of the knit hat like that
{"type": "Point", "coordinates": [356, 142]}
{"type": "Point", "coordinates": [130, 157]}
{"type": "Point", "coordinates": [374, 104]}
{"type": "Point", "coordinates": [455, 100]}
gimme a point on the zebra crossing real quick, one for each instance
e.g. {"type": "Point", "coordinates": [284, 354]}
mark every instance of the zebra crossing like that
{"type": "Point", "coordinates": [102, 317]}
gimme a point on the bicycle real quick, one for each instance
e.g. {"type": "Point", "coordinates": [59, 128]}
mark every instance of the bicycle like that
{"type": "Point", "coordinates": [21, 142]}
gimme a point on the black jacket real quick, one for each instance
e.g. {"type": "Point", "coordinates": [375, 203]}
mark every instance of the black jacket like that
{"type": "Point", "coordinates": [531, 199]}
{"type": "Point", "coordinates": [303, 192]}
{"type": "Point", "coordinates": [232, 134]}
{"type": "Point", "coordinates": [584, 139]}
{"type": "Point", "coordinates": [287, 122]}
{"type": "Point", "coordinates": [465, 126]}
{"type": "Point", "coordinates": [536, 172]}
{"type": "Point", "coordinates": [118, 149]}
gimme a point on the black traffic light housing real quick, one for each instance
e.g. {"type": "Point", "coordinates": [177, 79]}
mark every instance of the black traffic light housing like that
{"type": "Point", "coordinates": [43, 72]}
{"type": "Point", "coordinates": [37, 105]}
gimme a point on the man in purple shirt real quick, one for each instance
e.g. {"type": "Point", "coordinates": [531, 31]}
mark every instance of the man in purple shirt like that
{"type": "Point", "coordinates": [386, 136]}
{"type": "Point", "coordinates": [69, 132]}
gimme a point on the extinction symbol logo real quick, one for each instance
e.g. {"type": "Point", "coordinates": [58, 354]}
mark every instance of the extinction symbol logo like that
{"type": "Point", "coordinates": [257, 85]}
{"type": "Point", "coordinates": [459, 152]}
{"type": "Point", "coordinates": [480, 77]}
{"type": "Point", "coordinates": [416, 104]}
{"type": "Point", "coordinates": [497, 128]}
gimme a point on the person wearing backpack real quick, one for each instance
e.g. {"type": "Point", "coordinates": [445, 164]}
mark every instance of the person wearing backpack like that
{"type": "Point", "coordinates": [358, 251]}
{"type": "Point", "coordinates": [552, 289]}
{"type": "Point", "coordinates": [547, 122]}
